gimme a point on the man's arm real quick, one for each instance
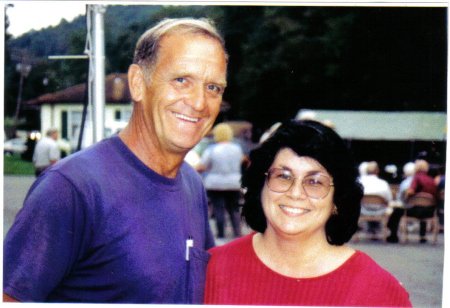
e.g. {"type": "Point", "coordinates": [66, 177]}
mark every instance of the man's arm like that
{"type": "Point", "coordinates": [9, 299]}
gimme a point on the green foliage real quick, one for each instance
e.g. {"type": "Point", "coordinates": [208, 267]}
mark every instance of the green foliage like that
{"type": "Point", "coordinates": [282, 58]}
{"type": "Point", "coordinates": [14, 165]}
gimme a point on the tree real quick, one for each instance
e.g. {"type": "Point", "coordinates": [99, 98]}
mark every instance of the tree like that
{"type": "Point", "coordinates": [282, 58]}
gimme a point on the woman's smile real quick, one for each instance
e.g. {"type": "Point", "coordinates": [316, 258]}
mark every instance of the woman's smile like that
{"type": "Point", "coordinates": [295, 211]}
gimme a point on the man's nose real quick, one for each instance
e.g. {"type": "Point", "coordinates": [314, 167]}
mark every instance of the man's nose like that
{"type": "Point", "coordinates": [197, 98]}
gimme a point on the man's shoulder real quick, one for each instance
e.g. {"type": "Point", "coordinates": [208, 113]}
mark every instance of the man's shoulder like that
{"type": "Point", "coordinates": [90, 158]}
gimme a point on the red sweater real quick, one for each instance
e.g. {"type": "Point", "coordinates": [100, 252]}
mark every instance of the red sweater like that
{"type": "Point", "coordinates": [422, 182]}
{"type": "Point", "coordinates": [236, 276]}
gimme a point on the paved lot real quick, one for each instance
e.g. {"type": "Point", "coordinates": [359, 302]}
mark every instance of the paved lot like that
{"type": "Point", "coordinates": [419, 267]}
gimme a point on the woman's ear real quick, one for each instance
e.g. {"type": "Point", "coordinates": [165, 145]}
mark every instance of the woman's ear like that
{"type": "Point", "coordinates": [136, 82]}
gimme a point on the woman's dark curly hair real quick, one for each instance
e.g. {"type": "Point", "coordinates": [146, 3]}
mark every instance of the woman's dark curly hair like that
{"type": "Point", "coordinates": [315, 140]}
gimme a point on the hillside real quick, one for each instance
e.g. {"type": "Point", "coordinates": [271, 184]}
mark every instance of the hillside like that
{"type": "Point", "coordinates": [56, 40]}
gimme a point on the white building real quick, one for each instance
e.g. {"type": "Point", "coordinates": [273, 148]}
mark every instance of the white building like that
{"type": "Point", "coordinates": [64, 110]}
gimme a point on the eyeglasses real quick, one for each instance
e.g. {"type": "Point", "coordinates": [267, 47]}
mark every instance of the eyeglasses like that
{"type": "Point", "coordinates": [316, 186]}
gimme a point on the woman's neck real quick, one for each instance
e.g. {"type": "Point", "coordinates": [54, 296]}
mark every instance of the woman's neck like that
{"type": "Point", "coordinates": [299, 256]}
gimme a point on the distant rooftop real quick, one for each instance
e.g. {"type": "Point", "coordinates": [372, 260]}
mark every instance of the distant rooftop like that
{"type": "Point", "coordinates": [116, 89]}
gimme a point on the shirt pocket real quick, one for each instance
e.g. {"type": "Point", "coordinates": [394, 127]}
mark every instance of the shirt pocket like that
{"type": "Point", "coordinates": [197, 274]}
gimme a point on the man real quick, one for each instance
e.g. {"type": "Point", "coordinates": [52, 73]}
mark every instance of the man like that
{"type": "Point", "coordinates": [126, 221]}
{"type": "Point", "coordinates": [46, 153]}
{"type": "Point", "coordinates": [373, 185]}
{"type": "Point", "coordinates": [421, 182]}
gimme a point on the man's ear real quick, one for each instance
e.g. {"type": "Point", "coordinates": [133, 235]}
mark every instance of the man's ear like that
{"type": "Point", "coordinates": [136, 82]}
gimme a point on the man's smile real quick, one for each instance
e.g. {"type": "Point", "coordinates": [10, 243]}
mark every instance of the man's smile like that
{"type": "Point", "coordinates": [186, 118]}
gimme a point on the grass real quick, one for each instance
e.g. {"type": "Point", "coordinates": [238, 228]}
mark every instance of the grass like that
{"type": "Point", "coordinates": [15, 165]}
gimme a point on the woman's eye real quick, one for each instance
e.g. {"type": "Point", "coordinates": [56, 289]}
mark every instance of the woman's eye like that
{"type": "Point", "coordinates": [314, 182]}
{"type": "Point", "coordinates": [285, 176]}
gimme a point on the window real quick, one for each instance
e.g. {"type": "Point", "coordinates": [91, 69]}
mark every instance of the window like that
{"type": "Point", "coordinates": [64, 125]}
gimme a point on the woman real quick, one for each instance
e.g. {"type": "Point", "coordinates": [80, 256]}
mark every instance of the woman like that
{"type": "Point", "coordinates": [303, 201]}
{"type": "Point", "coordinates": [223, 161]}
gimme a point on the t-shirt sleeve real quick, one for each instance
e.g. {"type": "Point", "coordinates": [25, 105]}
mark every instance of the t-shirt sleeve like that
{"type": "Point", "coordinates": [40, 248]}
{"type": "Point", "coordinates": [209, 237]}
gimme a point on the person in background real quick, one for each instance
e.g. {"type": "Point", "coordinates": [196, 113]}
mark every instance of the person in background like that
{"type": "Point", "coordinates": [362, 169]}
{"type": "Point", "coordinates": [126, 220]}
{"type": "Point", "coordinates": [46, 153]}
{"type": "Point", "coordinates": [440, 182]}
{"type": "Point", "coordinates": [421, 182]}
{"type": "Point", "coordinates": [408, 174]}
{"type": "Point", "coordinates": [303, 200]}
{"type": "Point", "coordinates": [223, 161]}
{"type": "Point", "coordinates": [373, 185]}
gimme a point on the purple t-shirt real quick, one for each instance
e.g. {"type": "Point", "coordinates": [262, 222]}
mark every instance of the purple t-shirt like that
{"type": "Point", "coordinates": [100, 226]}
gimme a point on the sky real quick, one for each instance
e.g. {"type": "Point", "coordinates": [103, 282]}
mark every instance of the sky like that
{"type": "Point", "coordinates": [27, 15]}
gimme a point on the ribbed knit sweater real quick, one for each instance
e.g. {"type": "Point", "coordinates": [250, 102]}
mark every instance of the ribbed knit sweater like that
{"type": "Point", "coordinates": [236, 276]}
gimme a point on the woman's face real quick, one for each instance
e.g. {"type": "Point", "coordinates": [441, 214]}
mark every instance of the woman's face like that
{"type": "Point", "coordinates": [294, 212]}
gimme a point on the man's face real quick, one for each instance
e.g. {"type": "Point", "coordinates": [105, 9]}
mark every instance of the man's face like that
{"type": "Point", "coordinates": [183, 98]}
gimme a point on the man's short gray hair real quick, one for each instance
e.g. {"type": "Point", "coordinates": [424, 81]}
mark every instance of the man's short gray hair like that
{"type": "Point", "coordinates": [147, 47]}
{"type": "Point", "coordinates": [372, 168]}
{"type": "Point", "coordinates": [408, 169]}
{"type": "Point", "coordinates": [51, 131]}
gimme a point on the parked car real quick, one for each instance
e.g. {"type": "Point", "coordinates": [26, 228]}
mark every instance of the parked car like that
{"type": "Point", "coordinates": [14, 146]}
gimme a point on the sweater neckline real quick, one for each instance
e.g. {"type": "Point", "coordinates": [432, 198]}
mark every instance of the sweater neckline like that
{"type": "Point", "coordinates": [334, 272]}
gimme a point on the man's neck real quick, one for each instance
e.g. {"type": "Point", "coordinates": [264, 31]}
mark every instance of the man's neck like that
{"type": "Point", "coordinates": [162, 162]}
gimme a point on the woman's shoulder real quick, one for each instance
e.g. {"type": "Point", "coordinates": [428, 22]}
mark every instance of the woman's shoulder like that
{"type": "Point", "coordinates": [363, 264]}
{"type": "Point", "coordinates": [376, 283]}
{"type": "Point", "coordinates": [364, 260]}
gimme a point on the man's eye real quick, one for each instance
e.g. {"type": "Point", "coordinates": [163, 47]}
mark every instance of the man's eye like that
{"type": "Point", "coordinates": [215, 88]}
{"type": "Point", "coordinates": [180, 79]}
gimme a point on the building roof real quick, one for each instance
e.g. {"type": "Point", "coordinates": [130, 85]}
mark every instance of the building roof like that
{"type": "Point", "coordinates": [116, 90]}
{"type": "Point", "coordinates": [383, 125]}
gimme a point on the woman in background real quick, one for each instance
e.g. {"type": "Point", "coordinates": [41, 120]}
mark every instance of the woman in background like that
{"type": "Point", "coordinates": [223, 161]}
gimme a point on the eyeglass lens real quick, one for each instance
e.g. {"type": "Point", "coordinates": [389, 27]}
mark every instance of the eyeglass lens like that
{"type": "Point", "coordinates": [316, 186]}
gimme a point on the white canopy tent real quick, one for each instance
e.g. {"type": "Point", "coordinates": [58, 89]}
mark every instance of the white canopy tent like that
{"type": "Point", "coordinates": [383, 125]}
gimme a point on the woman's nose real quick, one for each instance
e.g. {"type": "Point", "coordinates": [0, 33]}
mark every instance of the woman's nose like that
{"type": "Point", "coordinates": [296, 190]}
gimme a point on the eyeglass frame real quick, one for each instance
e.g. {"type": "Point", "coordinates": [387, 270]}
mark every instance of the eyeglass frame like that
{"type": "Point", "coordinates": [267, 180]}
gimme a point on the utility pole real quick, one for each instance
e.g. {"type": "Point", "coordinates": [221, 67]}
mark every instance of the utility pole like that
{"type": "Point", "coordinates": [98, 58]}
{"type": "Point", "coordinates": [95, 52]}
{"type": "Point", "coordinates": [24, 70]}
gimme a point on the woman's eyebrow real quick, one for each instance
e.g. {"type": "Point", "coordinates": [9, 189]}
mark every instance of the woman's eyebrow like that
{"type": "Point", "coordinates": [311, 172]}
{"type": "Point", "coordinates": [283, 167]}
